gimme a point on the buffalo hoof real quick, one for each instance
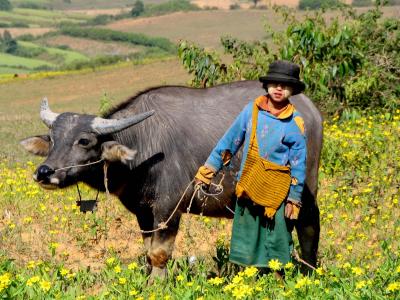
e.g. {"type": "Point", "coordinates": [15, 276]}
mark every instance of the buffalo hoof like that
{"type": "Point", "coordinates": [157, 274]}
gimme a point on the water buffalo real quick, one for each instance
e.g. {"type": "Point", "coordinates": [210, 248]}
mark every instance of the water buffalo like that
{"type": "Point", "coordinates": [151, 163]}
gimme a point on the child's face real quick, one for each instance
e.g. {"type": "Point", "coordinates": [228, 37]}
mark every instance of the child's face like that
{"type": "Point", "coordinates": [279, 92]}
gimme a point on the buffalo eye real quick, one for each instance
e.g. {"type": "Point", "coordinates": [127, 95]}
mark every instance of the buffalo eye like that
{"type": "Point", "coordinates": [84, 142]}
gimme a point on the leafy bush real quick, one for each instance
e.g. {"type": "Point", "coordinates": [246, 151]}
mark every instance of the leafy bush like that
{"type": "Point", "coordinates": [118, 36]}
{"type": "Point", "coordinates": [360, 3]}
{"type": "Point", "coordinates": [26, 37]}
{"type": "Point", "coordinates": [5, 5]}
{"type": "Point", "coordinates": [349, 64]}
{"type": "Point", "coordinates": [100, 20]}
{"type": "Point", "coordinates": [29, 52]}
{"type": "Point", "coordinates": [19, 24]}
{"type": "Point", "coordinates": [7, 43]}
{"type": "Point", "coordinates": [234, 6]}
{"type": "Point", "coordinates": [32, 5]}
{"type": "Point", "coordinates": [138, 8]}
{"type": "Point", "coordinates": [316, 4]}
{"type": "Point", "coordinates": [169, 7]}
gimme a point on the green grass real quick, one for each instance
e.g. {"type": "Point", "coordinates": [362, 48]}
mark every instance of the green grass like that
{"type": "Point", "coordinates": [68, 56]}
{"type": "Point", "coordinates": [41, 18]}
{"type": "Point", "coordinates": [10, 70]}
{"type": "Point", "coordinates": [16, 61]}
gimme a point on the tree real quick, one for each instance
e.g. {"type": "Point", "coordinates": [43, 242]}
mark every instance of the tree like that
{"type": "Point", "coordinates": [138, 8]}
{"type": "Point", "coordinates": [7, 43]}
{"type": "Point", "coordinates": [346, 64]}
{"type": "Point", "coordinates": [5, 5]}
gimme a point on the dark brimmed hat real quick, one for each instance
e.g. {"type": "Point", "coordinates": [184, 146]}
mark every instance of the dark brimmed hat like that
{"type": "Point", "coordinates": [282, 71]}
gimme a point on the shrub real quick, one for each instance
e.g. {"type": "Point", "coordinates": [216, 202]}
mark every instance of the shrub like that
{"type": "Point", "coordinates": [352, 64]}
{"type": "Point", "coordinates": [316, 4]}
{"type": "Point", "coordinates": [5, 5]}
{"type": "Point", "coordinates": [138, 8]}
{"type": "Point", "coordinates": [169, 7]}
{"type": "Point", "coordinates": [26, 37]}
{"type": "Point", "coordinates": [7, 43]}
{"type": "Point", "coordinates": [118, 36]}
{"type": "Point", "coordinates": [234, 6]}
{"type": "Point", "coordinates": [360, 3]}
{"type": "Point", "coordinates": [19, 24]}
{"type": "Point", "coordinates": [32, 5]}
{"type": "Point", "coordinates": [100, 20]}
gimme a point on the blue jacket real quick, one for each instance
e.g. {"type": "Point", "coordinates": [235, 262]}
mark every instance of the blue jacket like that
{"type": "Point", "coordinates": [280, 139]}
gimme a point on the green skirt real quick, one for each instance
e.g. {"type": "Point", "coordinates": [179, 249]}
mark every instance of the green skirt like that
{"type": "Point", "coordinates": [257, 239]}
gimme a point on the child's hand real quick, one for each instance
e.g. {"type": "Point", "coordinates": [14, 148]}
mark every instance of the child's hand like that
{"type": "Point", "coordinates": [292, 210]}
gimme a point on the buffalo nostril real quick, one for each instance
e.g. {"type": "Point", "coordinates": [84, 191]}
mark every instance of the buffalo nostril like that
{"type": "Point", "coordinates": [44, 172]}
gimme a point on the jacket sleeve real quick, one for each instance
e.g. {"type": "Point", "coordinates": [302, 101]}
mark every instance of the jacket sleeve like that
{"type": "Point", "coordinates": [231, 141]}
{"type": "Point", "coordinates": [297, 160]}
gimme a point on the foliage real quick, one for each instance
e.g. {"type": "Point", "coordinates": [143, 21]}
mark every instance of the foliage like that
{"type": "Point", "coordinates": [360, 3]}
{"type": "Point", "coordinates": [169, 7]}
{"type": "Point", "coordinates": [118, 36]}
{"type": "Point", "coordinates": [7, 43]}
{"type": "Point", "coordinates": [138, 8]}
{"type": "Point", "coordinates": [345, 64]}
{"type": "Point", "coordinates": [33, 5]}
{"type": "Point", "coordinates": [5, 5]}
{"type": "Point", "coordinates": [100, 20]}
{"type": "Point", "coordinates": [316, 4]}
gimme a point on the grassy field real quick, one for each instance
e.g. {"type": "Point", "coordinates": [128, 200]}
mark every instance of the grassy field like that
{"type": "Point", "coordinates": [65, 56]}
{"type": "Point", "coordinates": [41, 18]}
{"type": "Point", "coordinates": [100, 256]}
{"type": "Point", "coordinates": [90, 48]}
{"type": "Point", "coordinates": [79, 92]}
{"type": "Point", "coordinates": [205, 27]}
{"type": "Point", "coordinates": [16, 61]}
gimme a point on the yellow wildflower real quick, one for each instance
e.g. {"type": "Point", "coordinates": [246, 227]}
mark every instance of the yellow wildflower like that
{"type": "Point", "coordinates": [237, 279]}
{"type": "Point", "coordinates": [357, 271]}
{"type": "Point", "coordinates": [122, 280]}
{"type": "Point", "coordinates": [32, 280]}
{"type": "Point", "coordinates": [31, 264]}
{"type": "Point", "coordinates": [303, 282]}
{"type": "Point", "coordinates": [360, 284]}
{"type": "Point", "coordinates": [289, 266]}
{"type": "Point", "coordinates": [5, 281]}
{"type": "Point", "coordinates": [117, 269]}
{"type": "Point", "coordinates": [110, 261]}
{"type": "Point", "coordinates": [216, 280]}
{"type": "Point", "coordinates": [132, 266]}
{"type": "Point", "coordinates": [133, 292]}
{"type": "Point", "coordinates": [394, 286]}
{"type": "Point", "coordinates": [64, 272]}
{"type": "Point", "coordinates": [250, 271]}
{"type": "Point", "coordinates": [179, 278]}
{"type": "Point", "coordinates": [275, 264]}
{"type": "Point", "coordinates": [320, 271]}
{"type": "Point", "coordinates": [45, 285]}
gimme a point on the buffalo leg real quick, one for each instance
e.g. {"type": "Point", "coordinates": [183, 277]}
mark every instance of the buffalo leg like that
{"type": "Point", "coordinates": [162, 245]}
{"type": "Point", "coordinates": [308, 229]}
{"type": "Point", "coordinates": [146, 219]}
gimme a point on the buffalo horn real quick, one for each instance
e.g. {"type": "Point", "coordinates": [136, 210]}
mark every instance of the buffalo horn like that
{"type": "Point", "coordinates": [47, 116]}
{"type": "Point", "coordinates": [108, 126]}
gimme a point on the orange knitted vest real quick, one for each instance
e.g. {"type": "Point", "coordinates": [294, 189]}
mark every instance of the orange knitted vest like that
{"type": "Point", "coordinates": [264, 182]}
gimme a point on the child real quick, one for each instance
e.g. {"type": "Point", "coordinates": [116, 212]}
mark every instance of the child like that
{"type": "Point", "coordinates": [272, 171]}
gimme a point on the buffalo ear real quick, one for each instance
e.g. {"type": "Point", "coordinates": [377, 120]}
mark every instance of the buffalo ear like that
{"type": "Point", "coordinates": [38, 145]}
{"type": "Point", "coordinates": [112, 151]}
